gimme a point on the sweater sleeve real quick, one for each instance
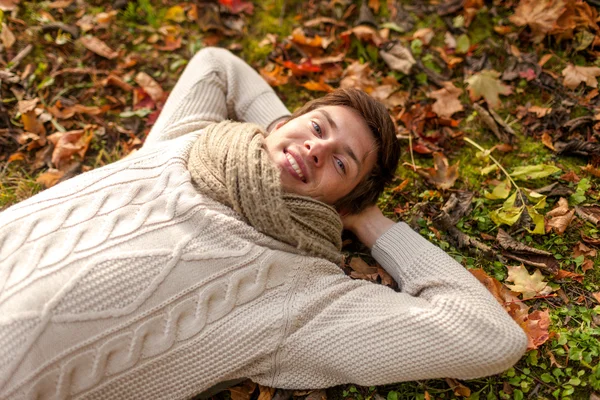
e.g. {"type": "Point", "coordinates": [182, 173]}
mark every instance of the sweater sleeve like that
{"type": "Point", "coordinates": [216, 85]}
{"type": "Point", "coordinates": [443, 323]}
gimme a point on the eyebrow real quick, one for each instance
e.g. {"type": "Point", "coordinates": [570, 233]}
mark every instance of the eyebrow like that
{"type": "Point", "coordinates": [347, 148]}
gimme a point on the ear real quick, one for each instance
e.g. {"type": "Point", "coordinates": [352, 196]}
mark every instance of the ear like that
{"type": "Point", "coordinates": [278, 123]}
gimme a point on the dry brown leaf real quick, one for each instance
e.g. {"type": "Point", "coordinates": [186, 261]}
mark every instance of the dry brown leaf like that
{"type": "Point", "coordinates": [458, 388]}
{"type": "Point", "coordinates": [359, 265]}
{"type": "Point", "coordinates": [589, 213]}
{"type": "Point", "coordinates": [561, 217]}
{"type": "Point", "coordinates": [562, 274]}
{"type": "Point", "coordinates": [398, 57]}
{"type": "Point", "coordinates": [98, 46]}
{"type": "Point", "coordinates": [596, 296]}
{"type": "Point", "coordinates": [266, 393]}
{"type": "Point", "coordinates": [299, 37]}
{"type": "Point", "coordinates": [547, 141]}
{"type": "Point", "coordinates": [591, 170]}
{"type": "Point", "coordinates": [243, 391]}
{"type": "Point", "coordinates": [7, 37]}
{"type": "Point", "coordinates": [447, 102]}
{"type": "Point", "coordinates": [529, 285]}
{"type": "Point", "coordinates": [364, 33]}
{"type": "Point", "coordinates": [577, 15]}
{"type": "Point", "coordinates": [525, 254]}
{"type": "Point", "coordinates": [66, 144]}
{"type": "Point", "coordinates": [540, 15]}
{"type": "Point", "coordinates": [150, 86]}
{"type": "Point", "coordinates": [587, 265]}
{"type": "Point", "coordinates": [574, 75]}
{"type": "Point", "coordinates": [389, 96]}
{"type": "Point", "coordinates": [424, 35]}
{"type": "Point", "coordinates": [536, 328]}
{"type": "Point", "coordinates": [581, 249]}
{"type": "Point", "coordinates": [49, 178]}
{"type": "Point", "coordinates": [540, 111]}
{"type": "Point", "coordinates": [442, 175]}
{"type": "Point", "coordinates": [359, 76]}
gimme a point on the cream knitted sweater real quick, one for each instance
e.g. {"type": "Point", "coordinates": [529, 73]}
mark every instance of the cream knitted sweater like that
{"type": "Point", "coordinates": [124, 282]}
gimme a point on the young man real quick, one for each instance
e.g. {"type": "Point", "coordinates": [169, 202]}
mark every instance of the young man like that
{"type": "Point", "coordinates": [210, 256]}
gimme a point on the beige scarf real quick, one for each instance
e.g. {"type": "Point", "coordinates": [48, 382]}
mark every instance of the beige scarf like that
{"type": "Point", "coordinates": [229, 164]}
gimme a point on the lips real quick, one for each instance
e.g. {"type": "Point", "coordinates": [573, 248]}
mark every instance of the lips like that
{"type": "Point", "coordinates": [296, 166]}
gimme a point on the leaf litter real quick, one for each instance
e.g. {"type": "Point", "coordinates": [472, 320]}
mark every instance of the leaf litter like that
{"type": "Point", "coordinates": [109, 69]}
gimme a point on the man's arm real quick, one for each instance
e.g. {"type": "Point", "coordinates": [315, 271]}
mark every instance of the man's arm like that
{"type": "Point", "coordinates": [216, 85]}
{"type": "Point", "coordinates": [442, 323]}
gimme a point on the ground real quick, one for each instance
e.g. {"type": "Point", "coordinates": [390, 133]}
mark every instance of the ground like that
{"type": "Point", "coordinates": [497, 110]}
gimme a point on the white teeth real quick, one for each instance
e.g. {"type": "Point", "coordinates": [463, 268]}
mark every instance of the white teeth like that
{"type": "Point", "coordinates": [294, 165]}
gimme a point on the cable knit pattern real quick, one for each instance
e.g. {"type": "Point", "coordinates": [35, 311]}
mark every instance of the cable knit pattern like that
{"type": "Point", "coordinates": [125, 283]}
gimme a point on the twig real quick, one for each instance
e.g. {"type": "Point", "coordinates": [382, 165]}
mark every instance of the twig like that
{"type": "Point", "coordinates": [535, 297]}
{"type": "Point", "coordinates": [19, 57]}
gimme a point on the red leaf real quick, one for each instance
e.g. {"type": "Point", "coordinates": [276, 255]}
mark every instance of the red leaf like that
{"type": "Point", "coordinates": [238, 6]}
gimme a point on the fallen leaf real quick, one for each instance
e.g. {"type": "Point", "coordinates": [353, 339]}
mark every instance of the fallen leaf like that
{"type": "Point", "coordinates": [581, 249]}
{"type": "Point", "coordinates": [447, 102]}
{"type": "Point", "coordinates": [525, 254]}
{"type": "Point", "coordinates": [60, 4]}
{"type": "Point", "coordinates": [150, 86]}
{"type": "Point", "coordinates": [589, 213]}
{"type": "Point", "coordinates": [574, 75]}
{"type": "Point", "coordinates": [424, 35]}
{"type": "Point", "coordinates": [547, 141]}
{"type": "Point", "coordinates": [175, 13]}
{"type": "Point", "coordinates": [458, 388]}
{"type": "Point", "coordinates": [244, 390]}
{"type": "Point", "coordinates": [597, 297]}
{"type": "Point", "coordinates": [487, 85]}
{"type": "Point", "coordinates": [299, 37]}
{"type": "Point", "coordinates": [359, 76]}
{"type": "Point", "coordinates": [49, 178]}
{"type": "Point", "coordinates": [359, 265]}
{"type": "Point", "coordinates": [442, 175]}
{"type": "Point", "coordinates": [528, 172]}
{"type": "Point", "coordinates": [562, 274]}
{"type": "Point", "coordinates": [529, 285]}
{"type": "Point", "coordinates": [98, 46]}
{"type": "Point", "coordinates": [7, 37]}
{"type": "Point", "coordinates": [301, 69]}
{"type": "Point", "coordinates": [364, 33]}
{"type": "Point", "coordinates": [591, 170]}
{"type": "Point", "coordinates": [587, 265]}
{"type": "Point", "coordinates": [317, 86]}
{"type": "Point", "coordinates": [18, 156]}
{"type": "Point", "coordinates": [540, 111]}
{"type": "Point", "coordinates": [66, 144]}
{"type": "Point", "coordinates": [401, 186]}
{"type": "Point", "coordinates": [539, 15]}
{"type": "Point", "coordinates": [397, 57]}
{"type": "Point", "coordinates": [276, 76]}
{"type": "Point", "coordinates": [536, 328]}
{"type": "Point", "coordinates": [266, 393]}
{"type": "Point", "coordinates": [389, 96]}
{"type": "Point", "coordinates": [500, 191]}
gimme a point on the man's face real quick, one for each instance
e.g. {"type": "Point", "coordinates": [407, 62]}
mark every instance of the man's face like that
{"type": "Point", "coordinates": [323, 154]}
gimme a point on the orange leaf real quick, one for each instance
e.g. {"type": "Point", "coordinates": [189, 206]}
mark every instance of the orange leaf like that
{"type": "Point", "coordinates": [547, 141]}
{"type": "Point", "coordinates": [276, 76]}
{"type": "Point", "coordinates": [562, 274]}
{"type": "Point", "coordinates": [49, 178]}
{"type": "Point", "coordinates": [536, 328]}
{"type": "Point", "coordinates": [18, 156]}
{"type": "Point", "coordinates": [317, 86]}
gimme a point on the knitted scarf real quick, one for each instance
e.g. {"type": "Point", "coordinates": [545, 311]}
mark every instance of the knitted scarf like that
{"type": "Point", "coordinates": [229, 164]}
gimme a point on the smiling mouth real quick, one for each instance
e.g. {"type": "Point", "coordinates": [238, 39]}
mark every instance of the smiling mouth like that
{"type": "Point", "coordinates": [295, 166]}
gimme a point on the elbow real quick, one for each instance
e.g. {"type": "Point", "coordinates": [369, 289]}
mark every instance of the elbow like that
{"type": "Point", "coordinates": [504, 349]}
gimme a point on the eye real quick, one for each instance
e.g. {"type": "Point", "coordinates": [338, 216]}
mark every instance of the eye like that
{"type": "Point", "coordinates": [341, 164]}
{"type": "Point", "coordinates": [317, 128]}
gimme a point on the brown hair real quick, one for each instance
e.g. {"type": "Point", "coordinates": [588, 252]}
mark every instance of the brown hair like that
{"type": "Point", "coordinates": [387, 147]}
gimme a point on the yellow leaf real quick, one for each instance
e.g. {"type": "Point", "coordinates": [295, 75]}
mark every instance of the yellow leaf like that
{"type": "Point", "coordinates": [529, 285]}
{"type": "Point", "coordinates": [175, 13]}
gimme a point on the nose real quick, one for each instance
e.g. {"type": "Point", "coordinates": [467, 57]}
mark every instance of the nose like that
{"type": "Point", "coordinates": [317, 151]}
